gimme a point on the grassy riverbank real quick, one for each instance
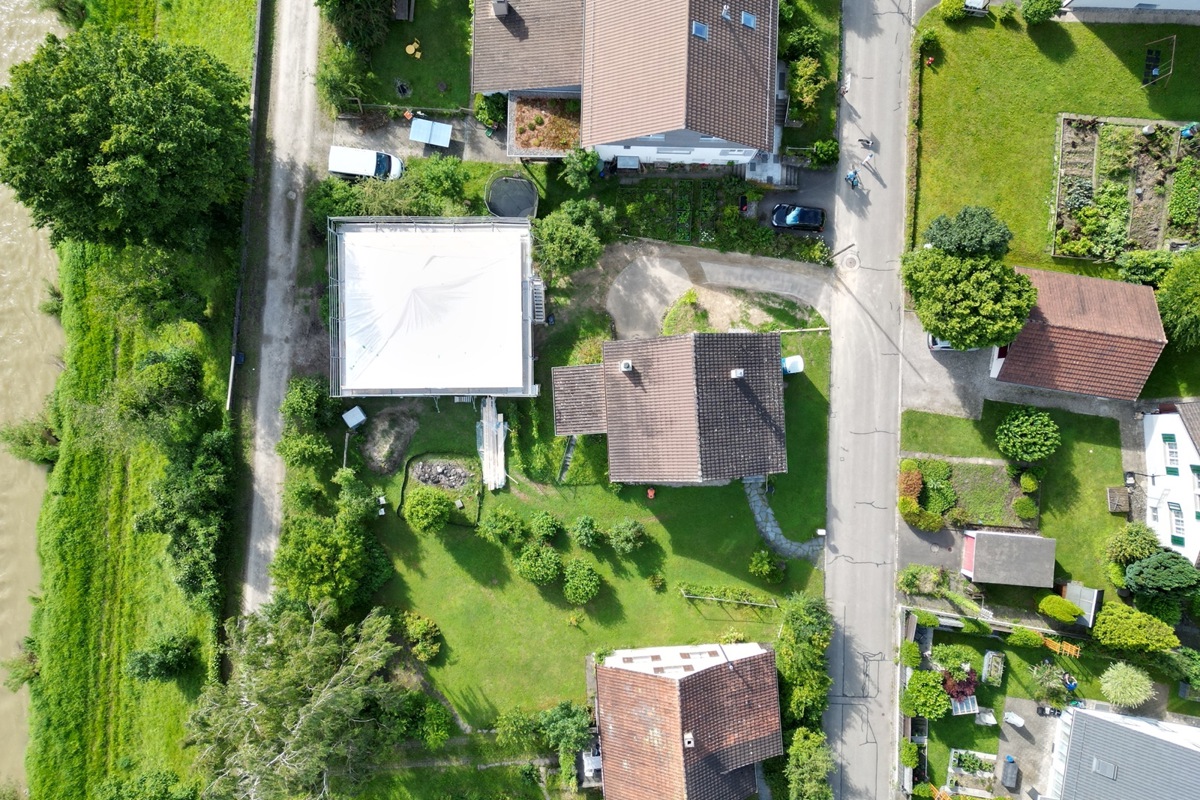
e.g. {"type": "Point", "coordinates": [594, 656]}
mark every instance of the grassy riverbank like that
{"type": "Point", "coordinates": [106, 589]}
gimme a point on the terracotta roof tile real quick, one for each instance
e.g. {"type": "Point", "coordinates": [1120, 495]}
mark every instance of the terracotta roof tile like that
{"type": "Point", "coordinates": [731, 710]}
{"type": "Point", "coordinates": [644, 72]}
{"type": "Point", "coordinates": [1086, 335]}
{"type": "Point", "coordinates": [578, 400]}
{"type": "Point", "coordinates": [537, 45]}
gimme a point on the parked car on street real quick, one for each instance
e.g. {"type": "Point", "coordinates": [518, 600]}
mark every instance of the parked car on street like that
{"type": "Point", "coordinates": [941, 345]}
{"type": "Point", "coordinates": [798, 218]}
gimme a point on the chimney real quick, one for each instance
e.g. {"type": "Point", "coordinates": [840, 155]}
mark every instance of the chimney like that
{"type": "Point", "coordinates": [627, 366]}
{"type": "Point", "coordinates": [499, 7]}
{"type": "Point", "coordinates": [737, 374]}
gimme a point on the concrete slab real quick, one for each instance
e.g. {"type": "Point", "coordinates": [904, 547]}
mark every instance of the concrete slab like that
{"type": "Point", "coordinates": [945, 382]}
{"type": "Point", "coordinates": [643, 292]}
{"type": "Point", "coordinates": [1030, 746]}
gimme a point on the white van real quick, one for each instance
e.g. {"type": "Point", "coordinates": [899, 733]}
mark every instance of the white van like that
{"type": "Point", "coordinates": [353, 162]}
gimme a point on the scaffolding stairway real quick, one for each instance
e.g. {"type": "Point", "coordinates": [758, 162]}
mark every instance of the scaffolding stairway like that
{"type": "Point", "coordinates": [539, 301]}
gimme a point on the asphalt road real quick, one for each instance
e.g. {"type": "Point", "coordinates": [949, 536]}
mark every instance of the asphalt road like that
{"type": "Point", "coordinates": [865, 398]}
{"type": "Point", "coordinates": [290, 124]}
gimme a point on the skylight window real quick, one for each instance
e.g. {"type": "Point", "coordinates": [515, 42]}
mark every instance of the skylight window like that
{"type": "Point", "coordinates": [749, 20]}
{"type": "Point", "coordinates": [700, 30]}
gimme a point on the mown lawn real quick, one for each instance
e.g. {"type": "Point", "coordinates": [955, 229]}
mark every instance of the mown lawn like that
{"type": "Point", "coordinates": [799, 498]}
{"type": "Point", "coordinates": [1073, 500]}
{"type": "Point", "coordinates": [439, 784]}
{"type": "Point", "coordinates": [443, 28]}
{"type": "Point", "coordinates": [107, 590]}
{"type": "Point", "coordinates": [989, 106]}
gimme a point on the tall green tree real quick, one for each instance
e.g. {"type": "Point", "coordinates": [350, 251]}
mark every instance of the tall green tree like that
{"type": "Point", "coordinates": [973, 231]}
{"type": "Point", "coordinates": [110, 137]}
{"type": "Point", "coordinates": [1179, 301]}
{"type": "Point", "coordinates": [971, 302]}
{"type": "Point", "coordinates": [809, 764]}
{"type": "Point", "coordinates": [804, 636]}
{"type": "Point", "coordinates": [303, 700]}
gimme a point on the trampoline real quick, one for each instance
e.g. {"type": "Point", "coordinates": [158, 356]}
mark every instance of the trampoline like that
{"type": "Point", "coordinates": [509, 194]}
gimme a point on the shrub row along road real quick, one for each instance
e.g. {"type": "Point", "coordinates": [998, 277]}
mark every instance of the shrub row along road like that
{"type": "Point", "coordinates": [290, 120]}
{"type": "Point", "coordinates": [865, 399]}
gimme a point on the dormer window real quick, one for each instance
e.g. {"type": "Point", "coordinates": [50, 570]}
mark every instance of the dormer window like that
{"type": "Point", "coordinates": [699, 30]}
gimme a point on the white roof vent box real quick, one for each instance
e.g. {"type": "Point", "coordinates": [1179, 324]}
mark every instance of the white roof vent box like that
{"type": "Point", "coordinates": [737, 374]}
{"type": "Point", "coordinates": [689, 740]}
{"type": "Point", "coordinates": [627, 366]}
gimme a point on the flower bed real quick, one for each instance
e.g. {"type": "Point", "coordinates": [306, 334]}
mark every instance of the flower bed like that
{"type": "Point", "coordinates": [543, 125]}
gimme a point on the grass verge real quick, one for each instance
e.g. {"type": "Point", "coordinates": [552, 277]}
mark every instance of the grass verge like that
{"type": "Point", "coordinates": [799, 498]}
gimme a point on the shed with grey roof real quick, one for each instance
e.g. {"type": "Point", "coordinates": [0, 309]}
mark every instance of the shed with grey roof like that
{"type": "Point", "coordinates": [1011, 559]}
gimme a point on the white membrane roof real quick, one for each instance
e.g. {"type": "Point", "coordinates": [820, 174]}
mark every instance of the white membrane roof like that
{"type": "Point", "coordinates": [433, 306]}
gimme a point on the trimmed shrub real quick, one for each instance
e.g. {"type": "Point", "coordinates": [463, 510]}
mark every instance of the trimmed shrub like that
{"type": "Point", "coordinates": [539, 564]}
{"type": "Point", "coordinates": [976, 627]}
{"type": "Point", "coordinates": [422, 635]}
{"type": "Point", "coordinates": [1124, 628]}
{"type": "Point", "coordinates": [427, 509]}
{"type": "Point", "coordinates": [926, 619]}
{"type": "Point", "coordinates": [765, 564]}
{"type": "Point", "coordinates": [825, 153]}
{"type": "Point", "coordinates": [627, 536]}
{"type": "Point", "coordinates": [1132, 543]}
{"type": "Point", "coordinates": [952, 10]}
{"type": "Point", "coordinates": [910, 654]}
{"type": "Point", "coordinates": [1144, 266]}
{"type": "Point", "coordinates": [907, 464]}
{"type": "Point", "coordinates": [918, 517]}
{"type": "Point", "coordinates": [1126, 686]}
{"type": "Point", "coordinates": [925, 697]}
{"type": "Point", "coordinates": [585, 532]}
{"type": "Point", "coordinates": [959, 517]}
{"type": "Point", "coordinates": [910, 483]}
{"type": "Point", "coordinates": [1025, 507]}
{"type": "Point", "coordinates": [909, 755]}
{"type": "Point", "coordinates": [581, 582]}
{"type": "Point", "coordinates": [1116, 574]}
{"type": "Point", "coordinates": [1006, 11]}
{"type": "Point", "coordinates": [951, 657]}
{"type": "Point", "coordinates": [1027, 434]}
{"type": "Point", "coordinates": [1029, 483]}
{"type": "Point", "coordinates": [501, 525]}
{"type": "Point", "coordinates": [1059, 608]}
{"type": "Point", "coordinates": [1024, 637]}
{"type": "Point", "coordinates": [544, 527]}
{"type": "Point", "coordinates": [1036, 12]}
{"type": "Point", "coordinates": [1165, 572]}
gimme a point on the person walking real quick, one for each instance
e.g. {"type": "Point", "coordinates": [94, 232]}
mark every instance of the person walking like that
{"type": "Point", "coordinates": [867, 160]}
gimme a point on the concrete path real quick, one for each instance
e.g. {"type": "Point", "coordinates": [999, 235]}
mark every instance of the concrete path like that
{"type": "Point", "coordinates": [658, 273]}
{"type": "Point", "coordinates": [290, 123]}
{"type": "Point", "coordinates": [860, 554]}
{"type": "Point", "coordinates": [768, 526]}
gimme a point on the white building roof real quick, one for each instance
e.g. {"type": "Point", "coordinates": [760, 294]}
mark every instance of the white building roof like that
{"type": "Point", "coordinates": [431, 307]}
{"type": "Point", "coordinates": [682, 660]}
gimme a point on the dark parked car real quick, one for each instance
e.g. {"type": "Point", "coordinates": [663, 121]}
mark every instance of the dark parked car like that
{"type": "Point", "coordinates": [798, 218]}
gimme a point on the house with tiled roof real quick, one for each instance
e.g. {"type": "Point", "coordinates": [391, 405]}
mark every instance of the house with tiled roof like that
{"type": "Point", "coordinates": [686, 723]}
{"type": "Point", "coordinates": [683, 81]}
{"type": "Point", "coordinates": [1172, 447]}
{"type": "Point", "coordinates": [1085, 336]}
{"type": "Point", "coordinates": [689, 409]}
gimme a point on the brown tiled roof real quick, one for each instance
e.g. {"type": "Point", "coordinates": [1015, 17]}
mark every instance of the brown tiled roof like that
{"type": "Point", "coordinates": [741, 421]}
{"type": "Point", "coordinates": [731, 709]}
{"type": "Point", "coordinates": [537, 45]}
{"type": "Point", "coordinates": [653, 432]}
{"type": "Point", "coordinates": [1190, 414]}
{"type": "Point", "coordinates": [645, 73]}
{"type": "Point", "coordinates": [678, 416]}
{"type": "Point", "coordinates": [578, 400]}
{"type": "Point", "coordinates": [1086, 335]}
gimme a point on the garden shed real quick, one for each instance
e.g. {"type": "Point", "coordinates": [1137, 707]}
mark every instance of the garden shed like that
{"type": "Point", "coordinates": [1008, 558]}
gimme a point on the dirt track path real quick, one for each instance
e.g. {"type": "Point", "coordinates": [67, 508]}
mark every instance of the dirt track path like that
{"type": "Point", "coordinates": [290, 127]}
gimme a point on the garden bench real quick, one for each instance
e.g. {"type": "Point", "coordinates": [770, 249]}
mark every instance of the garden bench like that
{"type": "Point", "coordinates": [403, 9]}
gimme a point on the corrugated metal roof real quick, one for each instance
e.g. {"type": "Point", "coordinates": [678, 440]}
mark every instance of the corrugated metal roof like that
{"type": "Point", "coordinates": [1145, 757]}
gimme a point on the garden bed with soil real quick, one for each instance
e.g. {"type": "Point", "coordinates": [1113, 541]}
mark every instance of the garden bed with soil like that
{"type": "Point", "coordinates": [542, 126]}
{"type": "Point", "coordinates": [1114, 184]}
{"type": "Point", "coordinates": [457, 477]}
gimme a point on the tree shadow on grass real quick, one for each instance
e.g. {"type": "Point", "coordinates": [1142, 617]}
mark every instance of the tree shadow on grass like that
{"type": "Point", "coordinates": [474, 706]}
{"type": "Point", "coordinates": [480, 559]}
{"type": "Point", "coordinates": [605, 608]}
{"type": "Point", "coordinates": [1054, 40]}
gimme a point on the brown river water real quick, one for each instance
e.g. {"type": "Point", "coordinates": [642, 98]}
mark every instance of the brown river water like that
{"type": "Point", "coordinates": [30, 345]}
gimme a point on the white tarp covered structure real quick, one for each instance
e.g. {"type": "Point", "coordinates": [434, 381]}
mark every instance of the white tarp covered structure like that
{"type": "Point", "coordinates": [431, 307]}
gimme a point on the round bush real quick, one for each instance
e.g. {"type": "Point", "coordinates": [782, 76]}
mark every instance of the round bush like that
{"type": "Point", "coordinates": [1027, 434]}
{"type": "Point", "coordinates": [1025, 508]}
{"type": "Point", "coordinates": [1126, 686]}
{"type": "Point", "coordinates": [626, 536]}
{"type": "Point", "coordinates": [952, 10]}
{"type": "Point", "coordinates": [1024, 637]}
{"type": "Point", "coordinates": [422, 635]}
{"type": "Point", "coordinates": [1036, 12]}
{"type": "Point", "coordinates": [909, 483]}
{"type": "Point", "coordinates": [581, 582]}
{"type": "Point", "coordinates": [585, 532]}
{"type": "Point", "coordinates": [544, 527]}
{"type": "Point", "coordinates": [1059, 608]}
{"type": "Point", "coordinates": [910, 654]}
{"type": "Point", "coordinates": [908, 464]}
{"type": "Point", "coordinates": [764, 564]}
{"type": "Point", "coordinates": [539, 564]}
{"type": "Point", "coordinates": [502, 525]}
{"type": "Point", "coordinates": [427, 509]}
{"type": "Point", "coordinates": [1029, 483]}
{"type": "Point", "coordinates": [1132, 543]}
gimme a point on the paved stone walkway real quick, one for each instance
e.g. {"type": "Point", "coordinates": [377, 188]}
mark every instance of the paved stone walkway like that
{"type": "Point", "coordinates": [995, 462]}
{"type": "Point", "coordinates": [768, 526]}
